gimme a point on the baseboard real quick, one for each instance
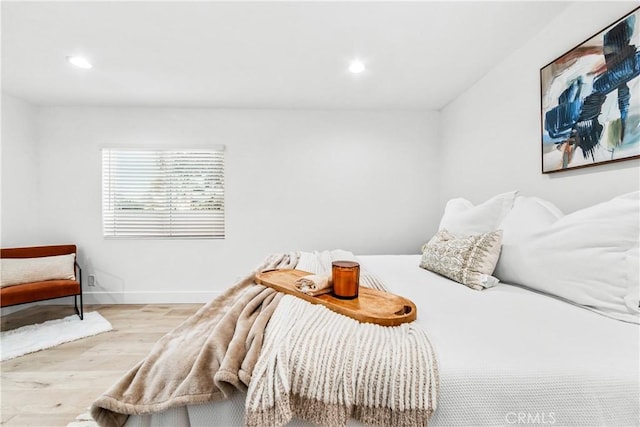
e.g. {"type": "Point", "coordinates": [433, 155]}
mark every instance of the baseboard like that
{"type": "Point", "coordinates": [155, 297]}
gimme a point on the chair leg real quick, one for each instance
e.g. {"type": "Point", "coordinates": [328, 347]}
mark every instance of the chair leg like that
{"type": "Point", "coordinates": [79, 312]}
{"type": "Point", "coordinates": [75, 298]}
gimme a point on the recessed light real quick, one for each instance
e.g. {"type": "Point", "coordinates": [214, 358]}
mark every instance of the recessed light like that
{"type": "Point", "coordinates": [79, 62]}
{"type": "Point", "coordinates": [356, 66]}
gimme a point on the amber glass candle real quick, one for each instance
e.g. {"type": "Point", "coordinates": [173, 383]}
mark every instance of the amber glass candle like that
{"type": "Point", "coordinates": [346, 279]}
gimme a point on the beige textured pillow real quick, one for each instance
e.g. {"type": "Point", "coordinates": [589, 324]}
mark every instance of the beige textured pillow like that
{"type": "Point", "coordinates": [16, 271]}
{"type": "Point", "coordinates": [469, 260]}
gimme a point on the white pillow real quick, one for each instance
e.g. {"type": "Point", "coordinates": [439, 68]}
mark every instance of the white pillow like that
{"type": "Point", "coordinates": [462, 218]}
{"type": "Point", "coordinates": [16, 271]}
{"type": "Point", "coordinates": [589, 257]}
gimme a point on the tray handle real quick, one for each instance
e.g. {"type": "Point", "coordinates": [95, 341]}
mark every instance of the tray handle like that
{"type": "Point", "coordinates": [406, 309]}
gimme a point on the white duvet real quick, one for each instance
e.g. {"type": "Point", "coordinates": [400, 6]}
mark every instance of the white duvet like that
{"type": "Point", "coordinates": [506, 355]}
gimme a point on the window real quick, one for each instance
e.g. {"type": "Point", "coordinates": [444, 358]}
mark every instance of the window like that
{"type": "Point", "coordinates": [163, 193]}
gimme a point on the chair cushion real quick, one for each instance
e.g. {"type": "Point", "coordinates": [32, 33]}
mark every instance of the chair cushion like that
{"type": "Point", "coordinates": [38, 291]}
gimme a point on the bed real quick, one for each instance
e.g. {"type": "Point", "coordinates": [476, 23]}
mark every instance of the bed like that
{"type": "Point", "coordinates": [506, 355]}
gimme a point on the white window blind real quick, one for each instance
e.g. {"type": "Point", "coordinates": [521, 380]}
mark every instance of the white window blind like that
{"type": "Point", "coordinates": [163, 193]}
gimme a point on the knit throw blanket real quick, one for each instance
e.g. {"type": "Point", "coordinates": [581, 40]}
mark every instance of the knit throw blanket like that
{"type": "Point", "coordinates": [323, 367]}
{"type": "Point", "coordinates": [293, 359]}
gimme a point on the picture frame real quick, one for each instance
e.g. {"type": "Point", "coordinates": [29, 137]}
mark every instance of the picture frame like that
{"type": "Point", "coordinates": [590, 100]}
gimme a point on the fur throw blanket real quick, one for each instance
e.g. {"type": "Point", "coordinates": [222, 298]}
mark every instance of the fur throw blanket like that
{"type": "Point", "coordinates": [206, 358]}
{"type": "Point", "coordinates": [293, 358]}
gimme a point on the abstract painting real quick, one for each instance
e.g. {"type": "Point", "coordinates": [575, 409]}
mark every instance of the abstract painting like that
{"type": "Point", "coordinates": [590, 100]}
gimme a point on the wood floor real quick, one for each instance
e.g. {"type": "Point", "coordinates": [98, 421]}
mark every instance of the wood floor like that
{"type": "Point", "coordinates": [51, 387]}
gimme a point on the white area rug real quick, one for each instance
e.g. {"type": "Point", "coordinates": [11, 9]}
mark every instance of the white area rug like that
{"type": "Point", "coordinates": [83, 420]}
{"type": "Point", "coordinates": [31, 338]}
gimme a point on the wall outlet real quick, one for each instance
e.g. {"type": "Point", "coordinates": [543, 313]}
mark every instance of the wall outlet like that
{"type": "Point", "coordinates": [92, 280]}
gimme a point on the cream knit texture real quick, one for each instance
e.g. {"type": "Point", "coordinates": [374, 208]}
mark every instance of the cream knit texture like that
{"type": "Point", "coordinates": [323, 367]}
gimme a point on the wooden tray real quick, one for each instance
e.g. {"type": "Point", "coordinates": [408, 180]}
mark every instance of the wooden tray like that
{"type": "Point", "coordinates": [371, 306]}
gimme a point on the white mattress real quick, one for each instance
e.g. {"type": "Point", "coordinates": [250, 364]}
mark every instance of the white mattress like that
{"type": "Point", "coordinates": [506, 356]}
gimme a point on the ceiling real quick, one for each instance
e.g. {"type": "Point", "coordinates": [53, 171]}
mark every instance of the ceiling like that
{"type": "Point", "coordinates": [419, 55]}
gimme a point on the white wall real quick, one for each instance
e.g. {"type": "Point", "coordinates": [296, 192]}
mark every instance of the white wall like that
{"type": "Point", "coordinates": [371, 182]}
{"type": "Point", "coordinates": [19, 182]}
{"type": "Point", "coordinates": [491, 133]}
{"type": "Point", "coordinates": [309, 180]}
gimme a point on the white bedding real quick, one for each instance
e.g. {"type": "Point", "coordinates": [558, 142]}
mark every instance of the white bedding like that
{"type": "Point", "coordinates": [506, 351]}
{"type": "Point", "coordinates": [506, 356]}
